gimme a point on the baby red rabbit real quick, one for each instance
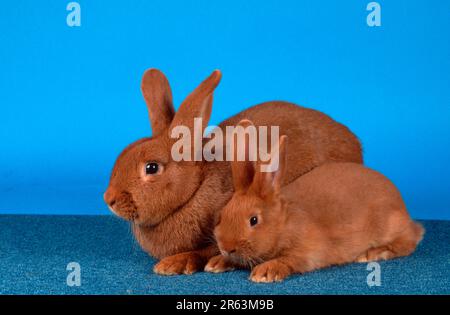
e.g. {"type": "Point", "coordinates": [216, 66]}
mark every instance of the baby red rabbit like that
{"type": "Point", "coordinates": [172, 204]}
{"type": "Point", "coordinates": [337, 213]}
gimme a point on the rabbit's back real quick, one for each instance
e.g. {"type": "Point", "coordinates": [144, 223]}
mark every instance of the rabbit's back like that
{"type": "Point", "coordinates": [314, 137]}
{"type": "Point", "coordinates": [345, 193]}
{"type": "Point", "coordinates": [347, 212]}
{"type": "Point", "coordinates": [349, 204]}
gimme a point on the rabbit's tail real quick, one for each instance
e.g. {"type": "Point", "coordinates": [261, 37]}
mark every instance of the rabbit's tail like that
{"type": "Point", "coordinates": [406, 243]}
{"type": "Point", "coordinates": [418, 231]}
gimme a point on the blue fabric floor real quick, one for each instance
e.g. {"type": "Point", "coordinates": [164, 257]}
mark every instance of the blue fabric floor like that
{"type": "Point", "coordinates": [35, 251]}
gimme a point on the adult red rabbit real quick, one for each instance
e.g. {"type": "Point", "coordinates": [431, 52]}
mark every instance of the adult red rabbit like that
{"type": "Point", "coordinates": [171, 204]}
{"type": "Point", "coordinates": [337, 213]}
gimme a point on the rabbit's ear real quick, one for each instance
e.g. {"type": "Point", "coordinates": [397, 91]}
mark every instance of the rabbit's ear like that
{"type": "Point", "coordinates": [244, 155]}
{"type": "Point", "coordinates": [197, 105]}
{"type": "Point", "coordinates": [158, 96]}
{"type": "Point", "coordinates": [268, 180]}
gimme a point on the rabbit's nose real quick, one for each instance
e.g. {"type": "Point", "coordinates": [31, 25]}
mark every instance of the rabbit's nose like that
{"type": "Point", "coordinates": [227, 250]}
{"type": "Point", "coordinates": [110, 196]}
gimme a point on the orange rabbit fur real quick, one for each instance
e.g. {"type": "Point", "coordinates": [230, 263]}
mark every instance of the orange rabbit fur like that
{"type": "Point", "coordinates": [337, 213]}
{"type": "Point", "coordinates": [172, 210]}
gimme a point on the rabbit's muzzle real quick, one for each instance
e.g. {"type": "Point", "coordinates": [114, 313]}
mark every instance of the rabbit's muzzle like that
{"type": "Point", "coordinates": [121, 204]}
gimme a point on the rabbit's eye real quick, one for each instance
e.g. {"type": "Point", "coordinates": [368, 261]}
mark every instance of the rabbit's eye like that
{"type": "Point", "coordinates": [151, 168]}
{"type": "Point", "coordinates": [253, 221]}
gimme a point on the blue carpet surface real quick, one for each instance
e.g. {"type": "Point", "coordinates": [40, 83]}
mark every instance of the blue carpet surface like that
{"type": "Point", "coordinates": [35, 251]}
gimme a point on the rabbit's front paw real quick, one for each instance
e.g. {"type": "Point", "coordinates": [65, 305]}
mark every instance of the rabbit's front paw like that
{"type": "Point", "coordinates": [218, 264]}
{"type": "Point", "coordinates": [184, 263]}
{"type": "Point", "coordinates": [270, 271]}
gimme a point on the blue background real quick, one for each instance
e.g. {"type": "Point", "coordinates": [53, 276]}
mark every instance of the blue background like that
{"type": "Point", "coordinates": [70, 98]}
